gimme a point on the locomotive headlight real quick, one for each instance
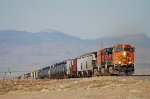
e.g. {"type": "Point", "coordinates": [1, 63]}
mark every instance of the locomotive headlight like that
{"type": "Point", "coordinates": [124, 53]}
{"type": "Point", "coordinates": [119, 62]}
{"type": "Point", "coordinates": [130, 62]}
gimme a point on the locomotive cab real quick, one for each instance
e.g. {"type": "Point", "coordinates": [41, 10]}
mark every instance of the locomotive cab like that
{"type": "Point", "coordinates": [123, 57]}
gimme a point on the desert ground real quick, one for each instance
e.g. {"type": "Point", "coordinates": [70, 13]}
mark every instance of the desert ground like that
{"type": "Point", "coordinates": [104, 87]}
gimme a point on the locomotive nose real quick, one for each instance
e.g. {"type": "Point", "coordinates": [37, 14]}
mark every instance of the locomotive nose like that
{"type": "Point", "coordinates": [124, 53]}
{"type": "Point", "coordinates": [126, 58]}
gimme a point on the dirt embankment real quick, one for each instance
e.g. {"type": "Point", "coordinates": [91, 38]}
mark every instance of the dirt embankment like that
{"type": "Point", "coordinates": [83, 88]}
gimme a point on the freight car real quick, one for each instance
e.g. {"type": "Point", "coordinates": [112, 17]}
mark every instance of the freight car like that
{"type": "Point", "coordinates": [36, 74]}
{"type": "Point", "coordinates": [69, 66]}
{"type": "Point", "coordinates": [59, 70]}
{"type": "Point", "coordinates": [85, 64]}
{"type": "Point", "coordinates": [118, 60]}
{"type": "Point", "coordinates": [44, 72]}
{"type": "Point", "coordinates": [26, 76]}
{"type": "Point", "coordinates": [72, 68]}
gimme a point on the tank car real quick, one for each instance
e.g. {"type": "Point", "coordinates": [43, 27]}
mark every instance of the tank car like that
{"type": "Point", "coordinates": [44, 72]}
{"type": "Point", "coordinates": [59, 70]}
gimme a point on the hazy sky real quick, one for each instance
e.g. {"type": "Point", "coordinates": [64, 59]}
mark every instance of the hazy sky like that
{"type": "Point", "coordinates": [82, 18]}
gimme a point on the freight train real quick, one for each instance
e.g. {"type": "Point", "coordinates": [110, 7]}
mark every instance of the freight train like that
{"type": "Point", "coordinates": [116, 60]}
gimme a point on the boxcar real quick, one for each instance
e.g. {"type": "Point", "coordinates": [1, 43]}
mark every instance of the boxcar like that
{"type": "Point", "coordinates": [73, 68]}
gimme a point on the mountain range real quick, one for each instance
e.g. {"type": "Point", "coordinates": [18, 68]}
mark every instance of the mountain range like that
{"type": "Point", "coordinates": [26, 51]}
{"type": "Point", "coordinates": [28, 38]}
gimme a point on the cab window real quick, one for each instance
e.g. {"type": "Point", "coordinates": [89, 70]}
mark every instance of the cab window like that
{"type": "Point", "coordinates": [129, 49]}
{"type": "Point", "coordinates": [119, 49]}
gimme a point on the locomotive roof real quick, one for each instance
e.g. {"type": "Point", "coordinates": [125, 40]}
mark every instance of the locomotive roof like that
{"type": "Point", "coordinates": [123, 45]}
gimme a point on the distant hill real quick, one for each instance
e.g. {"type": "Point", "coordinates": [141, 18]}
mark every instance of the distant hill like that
{"type": "Point", "coordinates": [23, 37]}
{"type": "Point", "coordinates": [28, 38]}
{"type": "Point", "coordinates": [21, 50]}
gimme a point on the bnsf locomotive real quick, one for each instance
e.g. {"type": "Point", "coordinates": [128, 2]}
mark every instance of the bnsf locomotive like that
{"type": "Point", "coordinates": [117, 60]}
